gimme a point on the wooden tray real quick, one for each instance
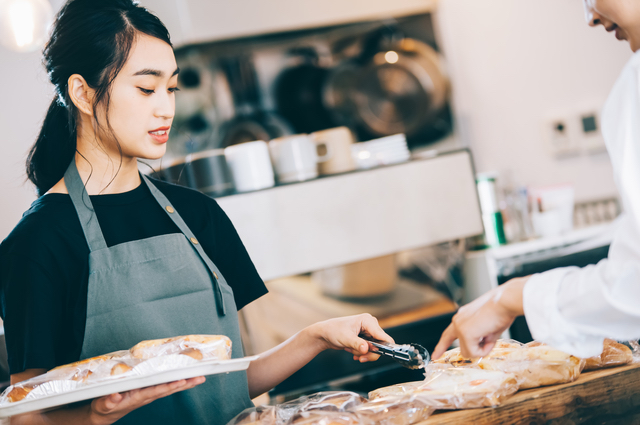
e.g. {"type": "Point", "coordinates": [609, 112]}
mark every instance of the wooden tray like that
{"type": "Point", "coordinates": [607, 396]}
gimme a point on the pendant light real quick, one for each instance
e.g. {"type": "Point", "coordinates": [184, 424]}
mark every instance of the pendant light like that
{"type": "Point", "coordinates": [25, 24]}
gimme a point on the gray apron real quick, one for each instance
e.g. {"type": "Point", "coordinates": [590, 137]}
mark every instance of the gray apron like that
{"type": "Point", "coordinates": [159, 287]}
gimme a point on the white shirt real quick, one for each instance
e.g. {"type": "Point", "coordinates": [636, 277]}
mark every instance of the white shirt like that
{"type": "Point", "coordinates": [574, 309]}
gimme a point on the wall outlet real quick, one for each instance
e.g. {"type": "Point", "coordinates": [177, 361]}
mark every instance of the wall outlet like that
{"type": "Point", "coordinates": [560, 137]}
{"type": "Point", "coordinates": [591, 140]}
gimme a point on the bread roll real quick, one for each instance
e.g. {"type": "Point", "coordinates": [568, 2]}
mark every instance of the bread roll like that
{"type": "Point", "coordinates": [455, 388]}
{"type": "Point", "coordinates": [18, 393]}
{"type": "Point", "coordinates": [211, 347]}
{"type": "Point", "coordinates": [613, 354]}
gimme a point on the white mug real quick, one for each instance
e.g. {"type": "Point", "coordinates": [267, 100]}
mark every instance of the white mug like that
{"type": "Point", "coordinates": [337, 143]}
{"type": "Point", "coordinates": [250, 165]}
{"type": "Point", "coordinates": [295, 158]}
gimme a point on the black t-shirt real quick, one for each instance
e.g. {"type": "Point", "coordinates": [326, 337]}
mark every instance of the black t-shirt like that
{"type": "Point", "coordinates": [44, 264]}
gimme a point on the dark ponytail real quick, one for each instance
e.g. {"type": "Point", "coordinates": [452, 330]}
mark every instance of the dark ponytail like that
{"type": "Point", "coordinates": [92, 38]}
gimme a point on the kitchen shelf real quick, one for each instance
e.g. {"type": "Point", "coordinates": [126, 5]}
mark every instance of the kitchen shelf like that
{"type": "Point", "coordinates": [298, 228]}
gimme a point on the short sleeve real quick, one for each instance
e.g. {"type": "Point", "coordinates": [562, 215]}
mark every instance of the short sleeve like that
{"type": "Point", "coordinates": [31, 313]}
{"type": "Point", "coordinates": [232, 258]}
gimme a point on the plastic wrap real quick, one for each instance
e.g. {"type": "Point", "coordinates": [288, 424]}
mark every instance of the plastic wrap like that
{"type": "Point", "coordinates": [199, 347]}
{"type": "Point", "coordinates": [394, 411]}
{"type": "Point", "coordinates": [338, 408]}
{"type": "Point", "coordinates": [448, 387]}
{"type": "Point", "coordinates": [613, 354]}
{"type": "Point", "coordinates": [171, 353]}
{"type": "Point", "coordinates": [261, 415]}
{"type": "Point", "coordinates": [534, 365]}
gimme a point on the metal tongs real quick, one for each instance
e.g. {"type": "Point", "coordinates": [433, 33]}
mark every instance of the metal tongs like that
{"type": "Point", "coordinates": [412, 356]}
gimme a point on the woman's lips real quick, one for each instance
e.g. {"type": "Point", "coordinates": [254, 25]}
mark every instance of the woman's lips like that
{"type": "Point", "coordinates": [160, 136]}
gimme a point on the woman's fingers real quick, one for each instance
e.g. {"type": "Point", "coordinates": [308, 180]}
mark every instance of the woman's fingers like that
{"type": "Point", "coordinates": [122, 403]}
{"type": "Point", "coordinates": [448, 336]}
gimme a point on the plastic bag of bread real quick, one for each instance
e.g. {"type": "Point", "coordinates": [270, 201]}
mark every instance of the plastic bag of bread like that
{"type": "Point", "coordinates": [199, 347]}
{"type": "Point", "coordinates": [68, 377]}
{"type": "Point", "coordinates": [319, 417]}
{"type": "Point", "coordinates": [327, 401]}
{"type": "Point", "coordinates": [613, 354]}
{"type": "Point", "coordinates": [449, 387]}
{"type": "Point", "coordinates": [394, 411]}
{"type": "Point", "coordinates": [261, 415]}
{"type": "Point", "coordinates": [535, 365]}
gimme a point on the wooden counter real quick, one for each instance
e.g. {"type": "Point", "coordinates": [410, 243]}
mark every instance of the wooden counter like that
{"type": "Point", "coordinates": [608, 396]}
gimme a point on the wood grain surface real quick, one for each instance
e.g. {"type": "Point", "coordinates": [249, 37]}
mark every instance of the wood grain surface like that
{"type": "Point", "coordinates": [607, 396]}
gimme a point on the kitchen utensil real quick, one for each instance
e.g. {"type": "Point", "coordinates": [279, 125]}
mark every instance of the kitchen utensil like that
{"type": "Point", "coordinates": [298, 92]}
{"type": "Point", "coordinates": [295, 158]}
{"type": "Point", "coordinates": [251, 122]}
{"type": "Point", "coordinates": [179, 171]}
{"type": "Point", "coordinates": [211, 172]}
{"type": "Point", "coordinates": [250, 165]}
{"type": "Point", "coordinates": [383, 151]}
{"type": "Point", "coordinates": [334, 145]}
{"type": "Point", "coordinates": [411, 356]}
{"type": "Point", "coordinates": [396, 85]}
{"type": "Point", "coordinates": [363, 279]}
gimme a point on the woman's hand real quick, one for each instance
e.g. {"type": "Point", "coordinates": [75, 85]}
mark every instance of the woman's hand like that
{"type": "Point", "coordinates": [342, 334]}
{"type": "Point", "coordinates": [479, 324]}
{"type": "Point", "coordinates": [108, 409]}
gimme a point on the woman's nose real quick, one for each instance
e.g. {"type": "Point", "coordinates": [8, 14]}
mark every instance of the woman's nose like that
{"type": "Point", "coordinates": [593, 18]}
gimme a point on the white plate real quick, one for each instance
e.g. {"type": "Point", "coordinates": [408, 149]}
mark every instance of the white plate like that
{"type": "Point", "coordinates": [86, 392]}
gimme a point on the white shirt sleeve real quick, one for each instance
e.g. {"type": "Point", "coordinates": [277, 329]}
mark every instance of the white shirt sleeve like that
{"type": "Point", "coordinates": [574, 309]}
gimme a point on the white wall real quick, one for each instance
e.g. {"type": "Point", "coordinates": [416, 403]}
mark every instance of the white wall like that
{"type": "Point", "coordinates": [512, 63]}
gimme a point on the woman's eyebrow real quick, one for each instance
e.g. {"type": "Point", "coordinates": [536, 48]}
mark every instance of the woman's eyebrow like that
{"type": "Point", "coordinates": [154, 72]}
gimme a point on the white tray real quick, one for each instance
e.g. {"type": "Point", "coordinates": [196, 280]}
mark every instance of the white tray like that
{"type": "Point", "coordinates": [202, 368]}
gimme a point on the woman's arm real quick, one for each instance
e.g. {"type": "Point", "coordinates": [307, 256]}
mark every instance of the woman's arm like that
{"type": "Point", "coordinates": [101, 411]}
{"type": "Point", "coordinates": [277, 364]}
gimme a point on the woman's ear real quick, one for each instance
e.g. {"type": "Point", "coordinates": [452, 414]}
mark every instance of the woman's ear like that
{"type": "Point", "coordinates": [81, 94]}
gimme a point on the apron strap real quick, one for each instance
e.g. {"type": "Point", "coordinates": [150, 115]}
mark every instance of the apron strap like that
{"type": "Point", "coordinates": [173, 214]}
{"type": "Point", "coordinates": [84, 208]}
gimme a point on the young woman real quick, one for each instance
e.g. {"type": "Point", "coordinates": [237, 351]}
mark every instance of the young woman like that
{"type": "Point", "coordinates": [105, 257]}
{"type": "Point", "coordinates": [570, 308]}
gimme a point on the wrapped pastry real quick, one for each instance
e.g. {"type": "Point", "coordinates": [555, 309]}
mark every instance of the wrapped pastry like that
{"type": "Point", "coordinates": [198, 347]}
{"type": "Point", "coordinates": [455, 388]}
{"type": "Point", "coordinates": [613, 354]}
{"type": "Point", "coordinates": [534, 365]}
{"type": "Point", "coordinates": [261, 415]}
{"type": "Point", "coordinates": [394, 411]}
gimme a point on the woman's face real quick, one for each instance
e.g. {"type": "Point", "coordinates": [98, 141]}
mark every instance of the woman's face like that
{"type": "Point", "coordinates": [619, 16]}
{"type": "Point", "coordinates": [142, 101]}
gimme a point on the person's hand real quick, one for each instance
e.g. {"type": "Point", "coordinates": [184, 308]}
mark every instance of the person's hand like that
{"type": "Point", "coordinates": [479, 324]}
{"type": "Point", "coordinates": [108, 409]}
{"type": "Point", "coordinates": [342, 334]}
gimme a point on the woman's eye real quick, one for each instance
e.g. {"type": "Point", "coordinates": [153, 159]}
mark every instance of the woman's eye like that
{"type": "Point", "coordinates": [173, 89]}
{"type": "Point", "coordinates": [145, 91]}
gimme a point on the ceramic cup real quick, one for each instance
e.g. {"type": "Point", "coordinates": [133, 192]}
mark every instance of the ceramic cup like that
{"type": "Point", "coordinates": [334, 145]}
{"type": "Point", "coordinates": [295, 158]}
{"type": "Point", "coordinates": [250, 165]}
{"type": "Point", "coordinates": [211, 173]}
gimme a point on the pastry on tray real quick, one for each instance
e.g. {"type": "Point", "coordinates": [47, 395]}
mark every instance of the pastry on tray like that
{"type": "Point", "coordinates": [613, 354]}
{"type": "Point", "coordinates": [535, 365]}
{"type": "Point", "coordinates": [455, 388]}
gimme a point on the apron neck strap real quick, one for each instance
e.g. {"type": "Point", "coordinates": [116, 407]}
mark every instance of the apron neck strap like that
{"type": "Point", "coordinates": [84, 208]}
{"type": "Point", "coordinates": [177, 219]}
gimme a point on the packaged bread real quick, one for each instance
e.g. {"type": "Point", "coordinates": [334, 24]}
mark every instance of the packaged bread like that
{"type": "Point", "coordinates": [394, 411]}
{"type": "Point", "coordinates": [534, 365]}
{"type": "Point", "coordinates": [319, 417]}
{"type": "Point", "coordinates": [455, 388]}
{"type": "Point", "coordinates": [613, 354]}
{"type": "Point", "coordinates": [326, 401]}
{"type": "Point", "coordinates": [261, 415]}
{"type": "Point", "coordinates": [199, 347]}
{"type": "Point", "coordinates": [147, 357]}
